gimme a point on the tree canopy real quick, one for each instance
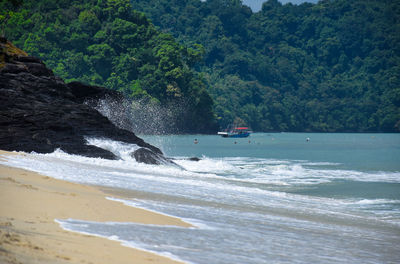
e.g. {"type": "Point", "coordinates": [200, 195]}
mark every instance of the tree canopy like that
{"type": "Point", "coordinates": [331, 66]}
{"type": "Point", "coordinates": [107, 43]}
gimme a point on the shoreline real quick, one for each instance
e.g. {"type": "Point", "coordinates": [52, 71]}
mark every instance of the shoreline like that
{"type": "Point", "coordinates": [29, 233]}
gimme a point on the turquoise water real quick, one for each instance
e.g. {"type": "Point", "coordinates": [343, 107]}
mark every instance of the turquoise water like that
{"type": "Point", "coordinates": [363, 153]}
{"type": "Point", "coordinates": [269, 198]}
{"type": "Point", "coordinates": [366, 152]}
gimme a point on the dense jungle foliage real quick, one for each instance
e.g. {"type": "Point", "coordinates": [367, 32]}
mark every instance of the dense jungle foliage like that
{"type": "Point", "coordinates": [332, 66]}
{"type": "Point", "coordinates": [107, 43]}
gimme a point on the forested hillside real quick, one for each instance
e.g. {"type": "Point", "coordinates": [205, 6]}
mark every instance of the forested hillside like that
{"type": "Point", "coordinates": [332, 66]}
{"type": "Point", "coordinates": [107, 43]}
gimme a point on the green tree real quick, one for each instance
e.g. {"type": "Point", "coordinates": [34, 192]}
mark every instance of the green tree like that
{"type": "Point", "coordinates": [312, 67]}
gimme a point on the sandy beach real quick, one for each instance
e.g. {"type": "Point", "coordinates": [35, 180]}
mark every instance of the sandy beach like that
{"type": "Point", "coordinates": [29, 205]}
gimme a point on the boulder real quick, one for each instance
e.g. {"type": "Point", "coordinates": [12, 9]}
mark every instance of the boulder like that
{"type": "Point", "coordinates": [145, 155]}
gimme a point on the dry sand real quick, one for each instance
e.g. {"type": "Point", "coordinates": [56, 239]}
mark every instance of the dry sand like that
{"type": "Point", "coordinates": [29, 203]}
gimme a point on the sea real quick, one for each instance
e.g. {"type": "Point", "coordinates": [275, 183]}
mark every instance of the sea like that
{"type": "Point", "coordinates": [268, 198]}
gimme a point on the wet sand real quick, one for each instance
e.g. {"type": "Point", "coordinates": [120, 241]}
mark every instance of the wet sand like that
{"type": "Point", "coordinates": [29, 205]}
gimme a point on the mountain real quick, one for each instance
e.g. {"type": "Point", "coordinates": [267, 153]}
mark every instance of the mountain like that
{"type": "Point", "coordinates": [107, 43]}
{"type": "Point", "coordinates": [333, 66]}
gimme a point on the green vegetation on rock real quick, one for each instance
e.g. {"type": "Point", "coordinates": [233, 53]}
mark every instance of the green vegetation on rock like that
{"type": "Point", "coordinates": [107, 43]}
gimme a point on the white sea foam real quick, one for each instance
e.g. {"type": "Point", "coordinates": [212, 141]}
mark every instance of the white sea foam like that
{"type": "Point", "coordinates": [72, 225]}
{"type": "Point", "coordinates": [132, 203]}
{"type": "Point", "coordinates": [213, 179]}
{"type": "Point", "coordinates": [376, 201]}
{"type": "Point", "coordinates": [237, 202]}
{"type": "Point", "coordinates": [120, 149]}
{"type": "Point", "coordinates": [284, 172]}
{"type": "Point", "coordinates": [206, 165]}
{"type": "Point", "coordinates": [207, 173]}
{"type": "Point", "coordinates": [137, 203]}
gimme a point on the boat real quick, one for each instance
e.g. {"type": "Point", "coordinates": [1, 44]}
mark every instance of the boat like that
{"type": "Point", "coordinates": [235, 132]}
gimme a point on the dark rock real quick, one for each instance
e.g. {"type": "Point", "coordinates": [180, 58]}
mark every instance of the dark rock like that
{"type": "Point", "coordinates": [14, 68]}
{"type": "Point", "coordinates": [39, 112]}
{"type": "Point", "coordinates": [144, 155]}
{"type": "Point", "coordinates": [38, 69]}
{"type": "Point", "coordinates": [29, 59]}
{"type": "Point", "coordinates": [83, 92]}
{"type": "Point", "coordinates": [194, 159]}
{"type": "Point", "coordinates": [148, 156]}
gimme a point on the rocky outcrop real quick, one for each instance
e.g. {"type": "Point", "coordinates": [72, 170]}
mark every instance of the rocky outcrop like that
{"type": "Point", "coordinates": [144, 155]}
{"type": "Point", "coordinates": [39, 112]}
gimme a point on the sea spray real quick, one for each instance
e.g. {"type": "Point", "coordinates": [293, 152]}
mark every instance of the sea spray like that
{"type": "Point", "coordinates": [154, 118]}
{"type": "Point", "coordinates": [143, 116]}
{"type": "Point", "coordinates": [120, 149]}
{"type": "Point", "coordinates": [117, 111]}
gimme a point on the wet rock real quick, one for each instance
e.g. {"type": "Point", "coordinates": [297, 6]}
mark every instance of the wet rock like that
{"type": "Point", "coordinates": [36, 68]}
{"type": "Point", "coordinates": [41, 113]}
{"type": "Point", "coordinates": [83, 92]}
{"type": "Point", "coordinates": [144, 155]}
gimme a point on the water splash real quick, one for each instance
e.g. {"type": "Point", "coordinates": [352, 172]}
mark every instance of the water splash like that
{"type": "Point", "coordinates": [143, 116]}
{"type": "Point", "coordinates": [117, 111]}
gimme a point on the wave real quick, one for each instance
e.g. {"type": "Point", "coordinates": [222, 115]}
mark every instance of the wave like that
{"type": "Point", "coordinates": [248, 182]}
{"type": "Point", "coordinates": [120, 149]}
{"type": "Point", "coordinates": [78, 226]}
{"type": "Point", "coordinates": [283, 172]}
{"type": "Point", "coordinates": [272, 172]}
{"type": "Point", "coordinates": [376, 201]}
{"type": "Point", "coordinates": [230, 200]}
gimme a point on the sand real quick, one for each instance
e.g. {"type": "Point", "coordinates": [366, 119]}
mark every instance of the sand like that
{"type": "Point", "coordinates": [29, 205]}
